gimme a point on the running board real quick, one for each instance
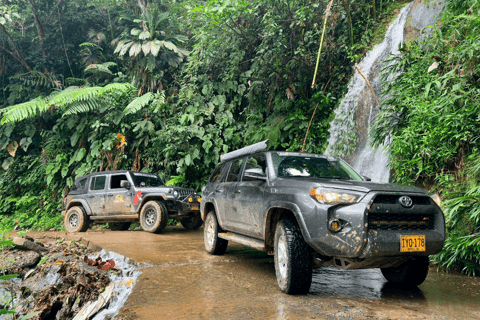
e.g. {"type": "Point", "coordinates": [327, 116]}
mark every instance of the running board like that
{"type": "Point", "coordinates": [246, 241]}
{"type": "Point", "coordinates": [115, 217]}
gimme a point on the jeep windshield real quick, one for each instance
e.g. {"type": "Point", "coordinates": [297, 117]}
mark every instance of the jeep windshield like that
{"type": "Point", "coordinates": [146, 180]}
{"type": "Point", "coordinates": [316, 167]}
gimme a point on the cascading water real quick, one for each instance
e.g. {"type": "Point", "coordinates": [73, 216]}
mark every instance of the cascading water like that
{"type": "Point", "coordinates": [349, 131]}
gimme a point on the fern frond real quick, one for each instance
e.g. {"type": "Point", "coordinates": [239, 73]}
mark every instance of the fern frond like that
{"type": "Point", "coordinates": [24, 110]}
{"type": "Point", "coordinates": [36, 78]}
{"type": "Point", "coordinates": [82, 107]}
{"type": "Point", "coordinates": [139, 103]}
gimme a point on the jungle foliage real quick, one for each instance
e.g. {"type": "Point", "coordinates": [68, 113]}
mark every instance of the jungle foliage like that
{"type": "Point", "coordinates": [431, 117]}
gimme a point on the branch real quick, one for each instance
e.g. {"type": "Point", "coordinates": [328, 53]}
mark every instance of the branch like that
{"type": "Point", "coordinates": [48, 18]}
{"type": "Point", "coordinates": [369, 85]}
{"type": "Point", "coordinates": [15, 53]}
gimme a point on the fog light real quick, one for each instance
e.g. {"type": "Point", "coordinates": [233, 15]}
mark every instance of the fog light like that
{"type": "Point", "coordinates": [334, 225]}
{"type": "Point", "coordinates": [199, 199]}
{"type": "Point", "coordinates": [190, 199]}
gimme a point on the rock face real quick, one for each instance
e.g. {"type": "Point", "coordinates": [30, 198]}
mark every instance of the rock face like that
{"type": "Point", "coordinates": [27, 244]}
{"type": "Point", "coordinates": [16, 261]}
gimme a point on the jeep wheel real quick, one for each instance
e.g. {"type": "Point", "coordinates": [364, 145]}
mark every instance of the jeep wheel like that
{"type": "Point", "coordinates": [409, 274]}
{"type": "Point", "coordinates": [213, 244]}
{"type": "Point", "coordinates": [76, 220]}
{"type": "Point", "coordinates": [193, 222]}
{"type": "Point", "coordinates": [153, 216]}
{"type": "Point", "coordinates": [293, 259]}
{"type": "Point", "coordinates": [119, 226]}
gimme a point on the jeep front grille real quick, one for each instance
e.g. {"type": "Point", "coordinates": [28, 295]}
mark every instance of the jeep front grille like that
{"type": "Point", "coordinates": [400, 221]}
{"type": "Point", "coordinates": [185, 192]}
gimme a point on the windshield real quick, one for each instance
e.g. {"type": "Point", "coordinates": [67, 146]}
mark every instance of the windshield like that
{"type": "Point", "coordinates": [313, 167]}
{"type": "Point", "coordinates": [146, 180]}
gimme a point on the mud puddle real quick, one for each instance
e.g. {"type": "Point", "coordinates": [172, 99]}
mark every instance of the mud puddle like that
{"type": "Point", "coordinates": [186, 282]}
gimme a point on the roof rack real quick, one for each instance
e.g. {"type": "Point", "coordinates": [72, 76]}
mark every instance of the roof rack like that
{"type": "Point", "coordinates": [260, 146]}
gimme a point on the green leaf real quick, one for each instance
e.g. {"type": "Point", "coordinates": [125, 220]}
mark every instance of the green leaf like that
{"type": "Point", "coordinates": [74, 138]}
{"type": "Point", "coordinates": [135, 31]}
{"type": "Point", "coordinates": [135, 49]}
{"type": "Point", "coordinates": [144, 35]}
{"type": "Point", "coordinates": [24, 143]}
{"type": "Point", "coordinates": [80, 154]}
{"type": "Point", "coordinates": [7, 163]}
{"type": "Point", "coordinates": [188, 159]}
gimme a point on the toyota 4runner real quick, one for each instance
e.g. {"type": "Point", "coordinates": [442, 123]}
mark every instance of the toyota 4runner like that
{"type": "Point", "coordinates": [311, 210]}
{"type": "Point", "coordinates": [121, 197]}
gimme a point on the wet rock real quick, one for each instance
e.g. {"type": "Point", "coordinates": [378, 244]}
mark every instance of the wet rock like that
{"type": "Point", "coordinates": [25, 244]}
{"type": "Point", "coordinates": [15, 261]}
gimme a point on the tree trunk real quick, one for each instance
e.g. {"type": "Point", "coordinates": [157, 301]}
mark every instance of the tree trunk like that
{"type": "Point", "coordinates": [40, 30]}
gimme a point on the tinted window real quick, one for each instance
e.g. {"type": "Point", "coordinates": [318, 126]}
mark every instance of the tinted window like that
{"type": "Point", "coordinates": [98, 183]}
{"type": "Point", "coordinates": [255, 165]}
{"type": "Point", "coordinates": [115, 181]}
{"type": "Point", "coordinates": [235, 171]}
{"type": "Point", "coordinates": [217, 172]}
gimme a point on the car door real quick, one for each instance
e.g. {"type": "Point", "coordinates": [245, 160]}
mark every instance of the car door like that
{"type": "Point", "coordinates": [96, 194]}
{"type": "Point", "coordinates": [227, 206]}
{"type": "Point", "coordinates": [118, 200]}
{"type": "Point", "coordinates": [249, 197]}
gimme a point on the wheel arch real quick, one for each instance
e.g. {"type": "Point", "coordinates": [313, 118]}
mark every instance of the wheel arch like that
{"type": "Point", "coordinates": [209, 206]}
{"type": "Point", "coordinates": [79, 203]}
{"type": "Point", "coordinates": [154, 197]}
{"type": "Point", "coordinates": [282, 211]}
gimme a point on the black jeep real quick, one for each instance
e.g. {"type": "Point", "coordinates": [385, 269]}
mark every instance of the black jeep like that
{"type": "Point", "coordinates": [311, 210]}
{"type": "Point", "coordinates": [121, 197]}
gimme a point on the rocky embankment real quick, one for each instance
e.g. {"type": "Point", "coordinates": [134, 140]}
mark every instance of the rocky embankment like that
{"type": "Point", "coordinates": [56, 279]}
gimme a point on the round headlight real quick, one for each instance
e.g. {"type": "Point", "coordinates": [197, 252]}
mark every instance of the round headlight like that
{"type": "Point", "coordinates": [175, 193]}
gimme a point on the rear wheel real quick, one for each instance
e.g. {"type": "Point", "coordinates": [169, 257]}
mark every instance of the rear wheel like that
{"type": "Point", "coordinates": [213, 244]}
{"type": "Point", "coordinates": [76, 220]}
{"type": "Point", "coordinates": [293, 259]}
{"type": "Point", "coordinates": [193, 222]}
{"type": "Point", "coordinates": [154, 216]}
{"type": "Point", "coordinates": [409, 274]}
{"type": "Point", "coordinates": [119, 226]}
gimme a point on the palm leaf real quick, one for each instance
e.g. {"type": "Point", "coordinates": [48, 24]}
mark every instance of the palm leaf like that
{"type": "Point", "coordinates": [146, 48]}
{"type": "Point", "coordinates": [135, 49]}
{"type": "Point", "coordinates": [24, 110]}
{"type": "Point", "coordinates": [155, 47]}
{"type": "Point", "coordinates": [144, 35]}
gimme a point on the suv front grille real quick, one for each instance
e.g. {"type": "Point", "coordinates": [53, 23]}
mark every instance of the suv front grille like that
{"type": "Point", "coordinates": [185, 192]}
{"type": "Point", "coordinates": [400, 221]}
{"type": "Point", "coordinates": [393, 199]}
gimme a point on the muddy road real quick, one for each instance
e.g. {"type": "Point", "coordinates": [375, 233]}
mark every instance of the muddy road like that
{"type": "Point", "coordinates": [182, 281]}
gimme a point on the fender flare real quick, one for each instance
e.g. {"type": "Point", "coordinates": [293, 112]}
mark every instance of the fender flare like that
{"type": "Point", "coordinates": [81, 202]}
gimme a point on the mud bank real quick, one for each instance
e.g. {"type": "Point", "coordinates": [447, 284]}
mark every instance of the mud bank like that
{"type": "Point", "coordinates": [61, 278]}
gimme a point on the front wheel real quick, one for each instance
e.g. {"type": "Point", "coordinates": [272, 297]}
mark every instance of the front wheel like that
{"type": "Point", "coordinates": [154, 216]}
{"type": "Point", "coordinates": [76, 220]}
{"type": "Point", "coordinates": [193, 222]}
{"type": "Point", "coordinates": [213, 244]}
{"type": "Point", "coordinates": [409, 274]}
{"type": "Point", "coordinates": [293, 259]}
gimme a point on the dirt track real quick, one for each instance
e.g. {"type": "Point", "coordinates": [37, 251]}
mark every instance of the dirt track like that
{"type": "Point", "coordinates": [184, 282]}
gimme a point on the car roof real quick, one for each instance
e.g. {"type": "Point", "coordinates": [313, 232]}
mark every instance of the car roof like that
{"type": "Point", "coordinates": [100, 173]}
{"type": "Point", "coordinates": [283, 153]}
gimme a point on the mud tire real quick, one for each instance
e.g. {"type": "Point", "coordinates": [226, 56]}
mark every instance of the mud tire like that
{"type": "Point", "coordinates": [409, 274]}
{"type": "Point", "coordinates": [76, 220]}
{"type": "Point", "coordinates": [213, 244]}
{"type": "Point", "coordinates": [292, 258]}
{"type": "Point", "coordinates": [119, 226]}
{"type": "Point", "coordinates": [193, 222]}
{"type": "Point", "coordinates": [154, 216]}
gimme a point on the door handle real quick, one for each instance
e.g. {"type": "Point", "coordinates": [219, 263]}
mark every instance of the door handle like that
{"type": "Point", "coordinates": [91, 196]}
{"type": "Point", "coordinates": [110, 195]}
{"type": "Point", "coordinates": [218, 191]}
{"type": "Point", "coordinates": [238, 191]}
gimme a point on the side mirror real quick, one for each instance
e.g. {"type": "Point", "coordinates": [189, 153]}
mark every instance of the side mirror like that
{"type": "Point", "coordinates": [125, 184]}
{"type": "Point", "coordinates": [366, 178]}
{"type": "Point", "coordinates": [255, 173]}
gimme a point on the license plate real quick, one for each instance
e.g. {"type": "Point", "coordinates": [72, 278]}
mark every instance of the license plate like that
{"type": "Point", "coordinates": [412, 243]}
{"type": "Point", "coordinates": [194, 207]}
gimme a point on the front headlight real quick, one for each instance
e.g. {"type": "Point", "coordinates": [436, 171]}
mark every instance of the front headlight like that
{"type": "Point", "coordinates": [331, 197]}
{"type": "Point", "coordinates": [435, 197]}
{"type": "Point", "coordinates": [175, 193]}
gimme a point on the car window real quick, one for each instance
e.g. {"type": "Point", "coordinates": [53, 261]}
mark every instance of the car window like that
{"type": "Point", "coordinates": [256, 165]}
{"type": "Point", "coordinates": [217, 173]}
{"type": "Point", "coordinates": [98, 183]}
{"type": "Point", "coordinates": [115, 181]}
{"type": "Point", "coordinates": [146, 180]}
{"type": "Point", "coordinates": [235, 170]}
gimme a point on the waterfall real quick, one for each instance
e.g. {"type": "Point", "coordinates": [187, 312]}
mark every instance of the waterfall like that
{"type": "Point", "coordinates": [349, 131]}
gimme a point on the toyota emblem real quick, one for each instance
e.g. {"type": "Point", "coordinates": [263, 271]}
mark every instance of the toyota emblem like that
{"type": "Point", "coordinates": [405, 201]}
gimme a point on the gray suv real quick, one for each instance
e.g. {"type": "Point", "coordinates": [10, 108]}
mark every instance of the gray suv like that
{"type": "Point", "coordinates": [121, 197]}
{"type": "Point", "coordinates": [312, 210]}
